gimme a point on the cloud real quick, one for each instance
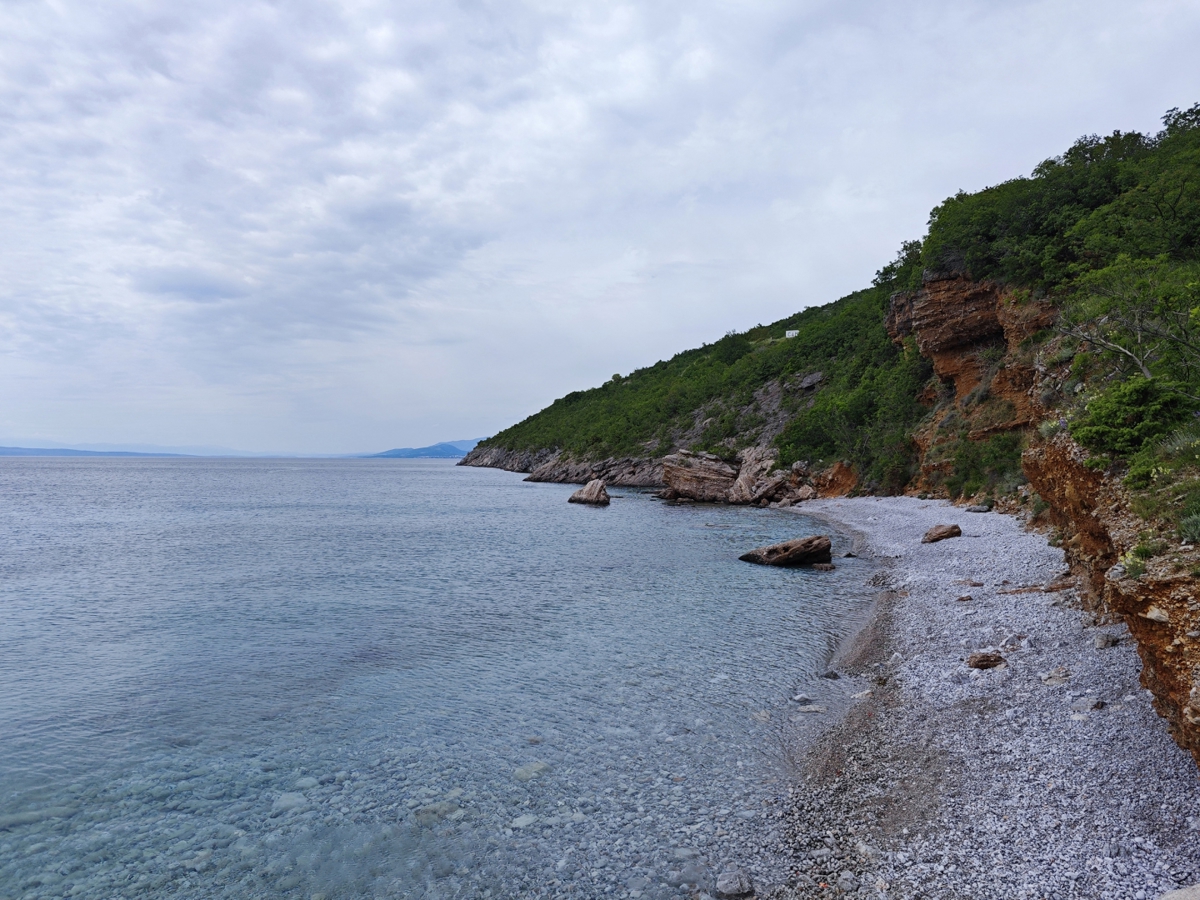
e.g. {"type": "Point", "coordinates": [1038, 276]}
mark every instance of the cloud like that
{"type": "Point", "coordinates": [326, 227]}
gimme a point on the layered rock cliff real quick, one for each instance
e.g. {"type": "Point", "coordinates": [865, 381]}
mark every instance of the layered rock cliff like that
{"type": "Point", "coordinates": [1105, 542]}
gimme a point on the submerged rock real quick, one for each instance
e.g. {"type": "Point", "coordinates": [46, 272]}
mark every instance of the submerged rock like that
{"type": "Point", "coordinates": [734, 883]}
{"type": "Point", "coordinates": [799, 552]}
{"type": "Point", "coordinates": [592, 493]}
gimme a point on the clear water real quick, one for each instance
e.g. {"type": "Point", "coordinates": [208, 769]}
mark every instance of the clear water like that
{"type": "Point", "coordinates": [387, 678]}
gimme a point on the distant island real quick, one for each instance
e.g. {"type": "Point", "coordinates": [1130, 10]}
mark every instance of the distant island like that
{"type": "Point", "coordinates": [443, 450]}
{"type": "Point", "coordinates": [64, 451]}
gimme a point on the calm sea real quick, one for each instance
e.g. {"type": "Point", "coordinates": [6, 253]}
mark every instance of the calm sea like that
{"type": "Point", "coordinates": [389, 678]}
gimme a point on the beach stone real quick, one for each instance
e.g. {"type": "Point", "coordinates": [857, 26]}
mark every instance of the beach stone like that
{"type": "Point", "coordinates": [433, 813]}
{"type": "Point", "coordinates": [1188, 893]}
{"type": "Point", "coordinates": [530, 771]}
{"type": "Point", "coordinates": [985, 660]}
{"type": "Point", "coordinates": [799, 552]}
{"type": "Point", "coordinates": [306, 783]}
{"type": "Point", "coordinates": [287, 802]}
{"type": "Point", "coordinates": [592, 493]}
{"type": "Point", "coordinates": [524, 821]}
{"type": "Point", "coordinates": [1104, 639]}
{"type": "Point", "coordinates": [940, 533]}
{"type": "Point", "coordinates": [1056, 676]}
{"type": "Point", "coordinates": [734, 883]}
{"type": "Point", "coordinates": [979, 508]}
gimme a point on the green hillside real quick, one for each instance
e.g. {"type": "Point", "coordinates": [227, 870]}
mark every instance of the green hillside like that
{"type": "Point", "coordinates": [1109, 230]}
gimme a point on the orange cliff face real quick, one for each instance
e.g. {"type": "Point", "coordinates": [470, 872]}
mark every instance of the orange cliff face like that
{"type": "Point", "coordinates": [1161, 606]}
{"type": "Point", "coordinates": [971, 331]}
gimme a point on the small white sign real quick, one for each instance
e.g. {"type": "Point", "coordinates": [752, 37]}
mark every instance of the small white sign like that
{"type": "Point", "coordinates": [791, 334]}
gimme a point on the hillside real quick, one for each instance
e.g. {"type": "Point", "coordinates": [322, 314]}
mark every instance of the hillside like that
{"type": "Point", "coordinates": [1075, 241]}
{"type": "Point", "coordinates": [1038, 349]}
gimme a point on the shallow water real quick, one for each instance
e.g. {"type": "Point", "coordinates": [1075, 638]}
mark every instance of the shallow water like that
{"type": "Point", "coordinates": [387, 678]}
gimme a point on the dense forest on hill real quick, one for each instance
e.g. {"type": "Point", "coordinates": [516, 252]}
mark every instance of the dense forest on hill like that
{"type": "Point", "coordinates": [1109, 231]}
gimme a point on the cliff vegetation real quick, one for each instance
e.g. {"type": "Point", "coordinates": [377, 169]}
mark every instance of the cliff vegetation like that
{"type": "Point", "coordinates": [1083, 277]}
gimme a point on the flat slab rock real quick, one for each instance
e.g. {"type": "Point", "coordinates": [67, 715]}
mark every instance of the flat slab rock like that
{"type": "Point", "coordinates": [800, 552]}
{"type": "Point", "coordinates": [593, 493]}
{"type": "Point", "coordinates": [940, 533]}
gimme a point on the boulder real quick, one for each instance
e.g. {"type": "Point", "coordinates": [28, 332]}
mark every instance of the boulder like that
{"type": "Point", "coordinates": [799, 552]}
{"type": "Point", "coordinates": [593, 492]}
{"type": "Point", "coordinates": [697, 476]}
{"type": "Point", "coordinates": [940, 533]}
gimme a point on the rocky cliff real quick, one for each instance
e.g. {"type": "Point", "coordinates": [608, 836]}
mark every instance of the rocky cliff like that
{"type": "Point", "coordinates": [988, 380]}
{"type": "Point", "coordinates": [992, 382]}
{"type": "Point", "coordinates": [1156, 596]}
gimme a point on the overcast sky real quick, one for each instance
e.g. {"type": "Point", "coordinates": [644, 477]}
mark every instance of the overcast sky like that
{"type": "Point", "coordinates": [335, 227]}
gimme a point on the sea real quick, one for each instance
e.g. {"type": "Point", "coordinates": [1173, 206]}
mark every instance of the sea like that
{"type": "Point", "coordinates": [393, 678]}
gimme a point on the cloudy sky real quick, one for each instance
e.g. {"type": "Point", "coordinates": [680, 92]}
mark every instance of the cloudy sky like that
{"type": "Point", "coordinates": [335, 227]}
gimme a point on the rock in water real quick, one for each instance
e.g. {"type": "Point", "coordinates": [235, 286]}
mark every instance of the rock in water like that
{"type": "Point", "coordinates": [734, 883]}
{"type": "Point", "coordinates": [940, 533]}
{"type": "Point", "coordinates": [800, 552]}
{"type": "Point", "coordinates": [593, 492]}
{"type": "Point", "coordinates": [530, 771]}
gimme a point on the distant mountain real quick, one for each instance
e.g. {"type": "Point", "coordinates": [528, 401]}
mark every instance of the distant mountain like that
{"type": "Point", "coordinates": [443, 450]}
{"type": "Point", "coordinates": [63, 451]}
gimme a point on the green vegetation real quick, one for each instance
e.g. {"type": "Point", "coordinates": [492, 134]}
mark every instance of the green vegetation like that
{"type": "Point", "coordinates": [863, 411]}
{"type": "Point", "coordinates": [1128, 415]}
{"type": "Point", "coordinates": [1109, 232]}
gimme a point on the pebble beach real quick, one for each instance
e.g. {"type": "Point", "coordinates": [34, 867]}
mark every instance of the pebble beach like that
{"type": "Point", "coordinates": [1048, 775]}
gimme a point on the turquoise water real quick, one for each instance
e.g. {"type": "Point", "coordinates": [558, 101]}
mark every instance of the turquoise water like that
{"type": "Point", "coordinates": [346, 678]}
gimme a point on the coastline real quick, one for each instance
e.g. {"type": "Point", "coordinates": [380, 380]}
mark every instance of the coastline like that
{"type": "Point", "coordinates": [1049, 776]}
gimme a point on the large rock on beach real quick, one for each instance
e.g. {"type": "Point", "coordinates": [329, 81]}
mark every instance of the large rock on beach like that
{"type": "Point", "coordinates": [940, 533]}
{"type": "Point", "coordinates": [698, 476]}
{"type": "Point", "coordinates": [593, 493]}
{"type": "Point", "coordinates": [799, 552]}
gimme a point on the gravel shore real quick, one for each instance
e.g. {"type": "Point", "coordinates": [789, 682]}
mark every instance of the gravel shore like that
{"type": "Point", "coordinates": [1047, 776]}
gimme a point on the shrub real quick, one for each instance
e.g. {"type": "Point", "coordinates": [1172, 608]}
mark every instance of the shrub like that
{"type": "Point", "coordinates": [1128, 415]}
{"type": "Point", "coordinates": [1189, 529]}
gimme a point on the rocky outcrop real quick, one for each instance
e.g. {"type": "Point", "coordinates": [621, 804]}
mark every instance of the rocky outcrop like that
{"type": "Point", "coordinates": [1085, 506]}
{"type": "Point", "coordinates": [629, 471]}
{"type": "Point", "coordinates": [836, 481]}
{"type": "Point", "coordinates": [592, 493]}
{"type": "Point", "coordinates": [799, 552]}
{"type": "Point", "coordinates": [951, 318]}
{"type": "Point", "coordinates": [560, 468]}
{"type": "Point", "coordinates": [1161, 606]}
{"type": "Point", "coordinates": [755, 464]}
{"type": "Point", "coordinates": [698, 476]}
{"type": "Point", "coordinates": [509, 460]}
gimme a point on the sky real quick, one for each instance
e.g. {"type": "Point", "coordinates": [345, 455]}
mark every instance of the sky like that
{"type": "Point", "coordinates": [342, 227]}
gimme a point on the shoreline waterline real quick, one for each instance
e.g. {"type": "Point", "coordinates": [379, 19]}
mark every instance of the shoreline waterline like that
{"type": "Point", "coordinates": [259, 678]}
